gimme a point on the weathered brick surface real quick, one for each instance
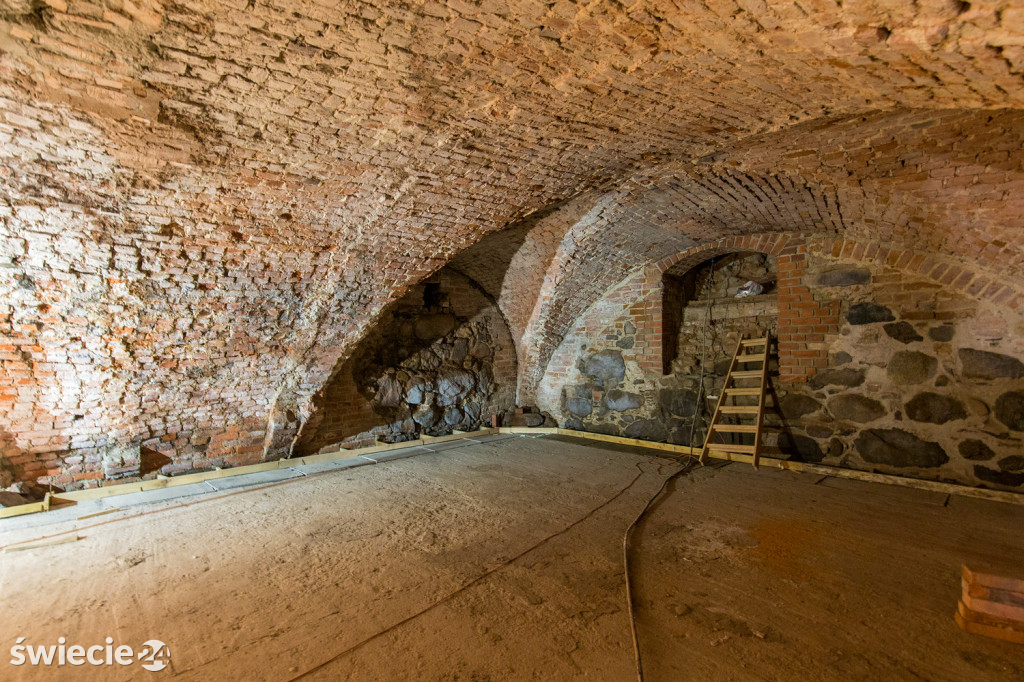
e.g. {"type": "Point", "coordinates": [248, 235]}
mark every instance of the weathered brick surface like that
{"type": "Point", "coordinates": [207, 204]}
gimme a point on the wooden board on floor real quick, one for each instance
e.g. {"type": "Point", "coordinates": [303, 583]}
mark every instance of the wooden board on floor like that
{"type": "Point", "coordinates": [981, 624]}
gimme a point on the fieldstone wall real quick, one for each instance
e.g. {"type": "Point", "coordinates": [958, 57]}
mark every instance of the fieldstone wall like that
{"type": "Point", "coordinates": [921, 378]}
{"type": "Point", "coordinates": [440, 359]}
{"type": "Point", "coordinates": [611, 399]}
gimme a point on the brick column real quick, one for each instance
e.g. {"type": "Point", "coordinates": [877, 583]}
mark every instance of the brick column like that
{"type": "Point", "coordinates": [803, 320]}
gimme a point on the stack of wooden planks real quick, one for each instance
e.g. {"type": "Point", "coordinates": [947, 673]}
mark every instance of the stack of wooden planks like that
{"type": "Point", "coordinates": [991, 605]}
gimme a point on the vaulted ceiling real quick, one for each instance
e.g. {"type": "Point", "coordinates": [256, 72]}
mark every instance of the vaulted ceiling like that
{"type": "Point", "coordinates": [209, 202]}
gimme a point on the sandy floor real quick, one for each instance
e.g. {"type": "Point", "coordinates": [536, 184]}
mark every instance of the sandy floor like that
{"type": "Point", "coordinates": [741, 575]}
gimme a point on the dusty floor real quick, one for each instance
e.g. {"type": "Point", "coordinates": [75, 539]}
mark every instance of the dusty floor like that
{"type": "Point", "coordinates": [740, 575]}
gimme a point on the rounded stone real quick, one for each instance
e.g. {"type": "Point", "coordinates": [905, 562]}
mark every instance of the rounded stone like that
{"type": "Point", "coordinates": [452, 415]}
{"type": "Point", "coordinates": [867, 313]}
{"type": "Point", "coordinates": [1008, 479]}
{"type": "Point", "coordinates": [841, 358]}
{"type": "Point", "coordinates": [1013, 463]}
{"type": "Point", "coordinates": [837, 377]}
{"type": "Point", "coordinates": [606, 428]}
{"type": "Point", "coordinates": [389, 391]}
{"type": "Point", "coordinates": [460, 350]}
{"type": "Point", "coordinates": [425, 416]}
{"type": "Point", "coordinates": [855, 408]}
{"type": "Point", "coordinates": [898, 448]}
{"type": "Point", "coordinates": [472, 410]}
{"type": "Point", "coordinates": [581, 407]}
{"type": "Point", "coordinates": [819, 430]}
{"type": "Point", "coordinates": [1009, 409]}
{"type": "Point", "coordinates": [606, 368]}
{"type": "Point", "coordinates": [620, 401]}
{"type": "Point", "coordinates": [941, 334]}
{"type": "Point", "coordinates": [416, 393]}
{"type": "Point", "coordinates": [796, 405]}
{"type": "Point", "coordinates": [983, 364]}
{"type": "Point", "coordinates": [934, 408]}
{"type": "Point", "coordinates": [678, 401]}
{"type": "Point", "coordinates": [647, 429]}
{"type": "Point", "coordinates": [453, 386]}
{"type": "Point", "coordinates": [908, 367]}
{"type": "Point", "coordinates": [975, 450]}
{"type": "Point", "coordinates": [801, 448]}
{"type": "Point", "coordinates": [903, 332]}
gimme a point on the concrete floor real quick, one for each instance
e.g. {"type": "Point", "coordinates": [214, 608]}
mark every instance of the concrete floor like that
{"type": "Point", "coordinates": [401, 570]}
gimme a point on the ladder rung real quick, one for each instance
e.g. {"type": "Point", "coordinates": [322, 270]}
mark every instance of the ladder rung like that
{"type": "Point", "coordinates": [735, 428]}
{"type": "Point", "coordinates": [743, 391]}
{"type": "Point", "coordinates": [728, 447]}
{"type": "Point", "coordinates": [754, 342]}
{"type": "Point", "coordinates": [739, 409]}
{"type": "Point", "coordinates": [750, 357]}
{"type": "Point", "coordinates": [748, 374]}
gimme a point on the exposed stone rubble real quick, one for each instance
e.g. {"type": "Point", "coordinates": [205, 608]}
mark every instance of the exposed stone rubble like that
{"type": "Point", "coordinates": [442, 359]}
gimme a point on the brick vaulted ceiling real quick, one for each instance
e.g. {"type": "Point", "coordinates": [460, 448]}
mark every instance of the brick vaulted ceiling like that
{"type": "Point", "coordinates": [206, 203]}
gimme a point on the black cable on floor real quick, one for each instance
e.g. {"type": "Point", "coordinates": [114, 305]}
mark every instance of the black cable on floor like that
{"type": "Point", "coordinates": [626, 543]}
{"type": "Point", "coordinates": [478, 579]}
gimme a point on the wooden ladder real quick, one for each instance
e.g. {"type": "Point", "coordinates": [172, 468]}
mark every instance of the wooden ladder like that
{"type": "Point", "coordinates": [746, 353]}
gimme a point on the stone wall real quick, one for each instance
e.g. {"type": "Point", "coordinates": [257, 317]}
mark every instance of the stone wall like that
{"type": "Point", "coordinates": [664, 408]}
{"type": "Point", "coordinates": [918, 378]}
{"type": "Point", "coordinates": [923, 380]}
{"type": "Point", "coordinates": [440, 359]}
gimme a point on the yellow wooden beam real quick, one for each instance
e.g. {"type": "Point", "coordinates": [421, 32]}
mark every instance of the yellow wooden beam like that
{"type": "Point", "coordinates": [187, 479]}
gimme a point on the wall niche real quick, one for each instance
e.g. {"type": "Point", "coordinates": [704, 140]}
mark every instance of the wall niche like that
{"type": "Point", "coordinates": [441, 358]}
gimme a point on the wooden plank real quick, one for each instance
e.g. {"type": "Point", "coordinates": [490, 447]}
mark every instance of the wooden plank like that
{"type": "Point", "coordinates": [739, 409]}
{"type": "Point", "coordinates": [719, 405]}
{"type": "Point", "coordinates": [736, 428]}
{"type": "Point", "coordinates": [161, 483]}
{"type": "Point", "coordinates": [38, 545]}
{"type": "Point", "coordinates": [427, 440]}
{"type": "Point", "coordinates": [980, 624]}
{"type": "Point", "coordinates": [21, 509]}
{"type": "Point", "coordinates": [759, 421]}
{"type": "Point", "coordinates": [749, 357]}
{"type": "Point", "coordinates": [99, 513]}
{"type": "Point", "coordinates": [996, 609]}
{"type": "Point", "coordinates": [665, 447]}
{"type": "Point", "coordinates": [1009, 597]}
{"type": "Point", "coordinates": [994, 632]}
{"type": "Point", "coordinates": [888, 479]}
{"type": "Point", "coordinates": [731, 447]}
{"type": "Point", "coordinates": [752, 342]}
{"type": "Point", "coordinates": [743, 391]}
{"type": "Point", "coordinates": [991, 580]}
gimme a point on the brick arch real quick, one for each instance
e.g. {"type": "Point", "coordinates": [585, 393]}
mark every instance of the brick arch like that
{"type": "Point", "coordinates": [803, 321]}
